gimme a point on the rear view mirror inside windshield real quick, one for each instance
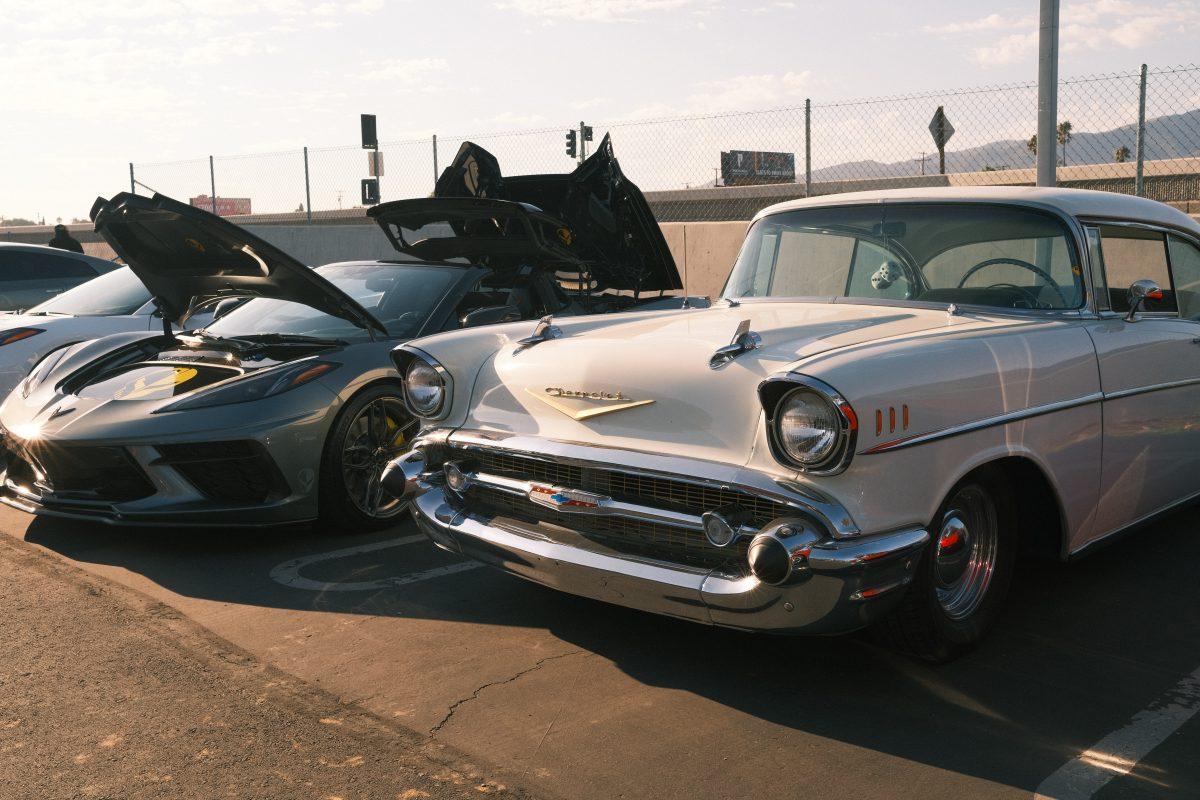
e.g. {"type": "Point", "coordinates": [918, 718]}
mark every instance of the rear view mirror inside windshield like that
{"type": "Point", "coordinates": [890, 230]}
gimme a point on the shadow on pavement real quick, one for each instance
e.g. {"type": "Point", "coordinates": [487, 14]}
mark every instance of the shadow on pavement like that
{"type": "Point", "coordinates": [1080, 649]}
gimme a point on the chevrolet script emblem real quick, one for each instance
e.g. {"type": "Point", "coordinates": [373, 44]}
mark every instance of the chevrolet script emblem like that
{"type": "Point", "coordinates": [581, 405]}
{"type": "Point", "coordinates": [560, 499]}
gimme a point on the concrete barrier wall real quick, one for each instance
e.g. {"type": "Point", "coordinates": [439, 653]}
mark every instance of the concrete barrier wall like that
{"type": "Point", "coordinates": [704, 252]}
{"type": "Point", "coordinates": [323, 244]}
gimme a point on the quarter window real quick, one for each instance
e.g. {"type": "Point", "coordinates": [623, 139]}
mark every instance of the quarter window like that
{"type": "Point", "coordinates": [1185, 268]}
{"type": "Point", "coordinates": [1134, 254]}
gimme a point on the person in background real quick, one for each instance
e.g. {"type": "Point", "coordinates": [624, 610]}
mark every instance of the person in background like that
{"type": "Point", "coordinates": [63, 241]}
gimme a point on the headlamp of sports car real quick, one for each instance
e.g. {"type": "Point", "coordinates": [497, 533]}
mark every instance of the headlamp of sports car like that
{"type": "Point", "coordinates": [40, 370]}
{"type": "Point", "coordinates": [426, 385]}
{"type": "Point", "coordinates": [255, 387]}
{"type": "Point", "coordinates": [17, 334]}
{"type": "Point", "coordinates": [811, 427]}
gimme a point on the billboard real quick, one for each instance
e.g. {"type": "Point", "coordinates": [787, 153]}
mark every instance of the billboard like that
{"type": "Point", "coordinates": [749, 167]}
{"type": "Point", "coordinates": [226, 206]}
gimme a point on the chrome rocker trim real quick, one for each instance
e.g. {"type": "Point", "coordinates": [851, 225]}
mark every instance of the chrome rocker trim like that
{"type": "Point", "coordinates": [844, 586]}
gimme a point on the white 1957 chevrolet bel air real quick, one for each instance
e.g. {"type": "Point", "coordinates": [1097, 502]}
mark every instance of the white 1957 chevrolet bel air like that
{"type": "Point", "coordinates": [899, 394]}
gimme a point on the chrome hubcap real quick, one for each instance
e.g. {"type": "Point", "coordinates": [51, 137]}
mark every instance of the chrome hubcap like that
{"type": "Point", "coordinates": [377, 434]}
{"type": "Point", "coordinates": [965, 553]}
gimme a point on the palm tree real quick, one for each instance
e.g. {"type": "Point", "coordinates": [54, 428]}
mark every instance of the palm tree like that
{"type": "Point", "coordinates": [1121, 154]}
{"type": "Point", "coordinates": [1064, 136]}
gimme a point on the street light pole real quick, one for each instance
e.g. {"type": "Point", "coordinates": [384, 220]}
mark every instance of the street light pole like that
{"type": "Point", "coordinates": [1047, 129]}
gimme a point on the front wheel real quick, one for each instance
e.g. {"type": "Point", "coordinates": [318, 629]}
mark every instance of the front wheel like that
{"type": "Point", "coordinates": [373, 429]}
{"type": "Point", "coordinates": [964, 574]}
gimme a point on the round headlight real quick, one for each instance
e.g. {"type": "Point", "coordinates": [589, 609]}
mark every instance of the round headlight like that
{"type": "Point", "coordinates": [808, 426]}
{"type": "Point", "coordinates": [425, 388]}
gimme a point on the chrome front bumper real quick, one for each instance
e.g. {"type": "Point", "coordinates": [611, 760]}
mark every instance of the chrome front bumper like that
{"type": "Point", "coordinates": [848, 582]}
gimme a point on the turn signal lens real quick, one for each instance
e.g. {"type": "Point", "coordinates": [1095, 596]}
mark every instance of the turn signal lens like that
{"type": "Point", "coordinates": [17, 334]}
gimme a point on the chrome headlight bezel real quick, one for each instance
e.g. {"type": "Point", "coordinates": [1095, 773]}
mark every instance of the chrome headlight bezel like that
{"type": "Point", "coordinates": [776, 393]}
{"type": "Point", "coordinates": [412, 357]}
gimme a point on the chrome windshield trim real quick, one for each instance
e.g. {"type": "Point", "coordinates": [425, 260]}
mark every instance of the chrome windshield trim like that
{"type": "Point", "coordinates": [677, 468]}
{"type": "Point", "coordinates": [989, 422]}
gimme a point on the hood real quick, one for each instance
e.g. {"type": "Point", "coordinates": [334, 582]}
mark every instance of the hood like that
{"type": "Point", "coordinates": [649, 378]}
{"type": "Point", "coordinates": [592, 221]}
{"type": "Point", "coordinates": [183, 254]}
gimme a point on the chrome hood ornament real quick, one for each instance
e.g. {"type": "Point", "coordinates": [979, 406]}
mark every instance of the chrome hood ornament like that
{"type": "Point", "coordinates": [544, 331]}
{"type": "Point", "coordinates": [744, 340]}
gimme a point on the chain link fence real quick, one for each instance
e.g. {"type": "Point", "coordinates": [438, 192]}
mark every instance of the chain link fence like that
{"type": "Point", "coordinates": [1132, 132]}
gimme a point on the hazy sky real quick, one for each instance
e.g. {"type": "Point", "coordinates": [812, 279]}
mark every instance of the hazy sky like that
{"type": "Point", "coordinates": [91, 86]}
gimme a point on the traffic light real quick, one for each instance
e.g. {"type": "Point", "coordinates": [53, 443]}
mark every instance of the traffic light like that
{"type": "Point", "coordinates": [587, 133]}
{"type": "Point", "coordinates": [572, 143]}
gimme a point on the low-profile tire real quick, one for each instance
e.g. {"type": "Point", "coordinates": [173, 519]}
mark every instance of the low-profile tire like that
{"type": "Point", "coordinates": [964, 574]}
{"type": "Point", "coordinates": [372, 429]}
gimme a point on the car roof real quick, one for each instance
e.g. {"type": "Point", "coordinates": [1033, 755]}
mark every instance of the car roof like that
{"type": "Point", "coordinates": [41, 248]}
{"type": "Point", "coordinates": [1086, 203]}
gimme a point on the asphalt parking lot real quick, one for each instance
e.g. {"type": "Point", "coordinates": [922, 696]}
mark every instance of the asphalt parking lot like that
{"type": "Point", "coordinates": [1089, 686]}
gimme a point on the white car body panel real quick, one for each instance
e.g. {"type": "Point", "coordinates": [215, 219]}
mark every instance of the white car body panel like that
{"type": "Point", "coordinates": [1105, 408]}
{"type": "Point", "coordinates": [18, 358]}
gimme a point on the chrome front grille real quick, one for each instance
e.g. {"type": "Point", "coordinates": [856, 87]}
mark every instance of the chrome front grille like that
{"type": "Point", "coordinates": [633, 487]}
{"type": "Point", "coordinates": [660, 540]}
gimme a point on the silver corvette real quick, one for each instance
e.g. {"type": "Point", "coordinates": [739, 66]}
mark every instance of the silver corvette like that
{"type": "Point", "coordinates": [288, 407]}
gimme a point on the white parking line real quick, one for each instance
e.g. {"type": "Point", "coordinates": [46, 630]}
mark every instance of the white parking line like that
{"type": "Point", "coordinates": [288, 573]}
{"type": "Point", "coordinates": [1118, 753]}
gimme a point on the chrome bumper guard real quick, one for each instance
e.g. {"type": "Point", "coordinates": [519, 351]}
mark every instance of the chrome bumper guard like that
{"type": "Point", "coordinates": [841, 585]}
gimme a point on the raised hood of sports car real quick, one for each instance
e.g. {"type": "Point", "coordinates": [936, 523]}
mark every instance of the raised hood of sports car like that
{"type": "Point", "coordinates": [183, 253]}
{"type": "Point", "coordinates": [593, 221]}
{"type": "Point", "coordinates": [645, 383]}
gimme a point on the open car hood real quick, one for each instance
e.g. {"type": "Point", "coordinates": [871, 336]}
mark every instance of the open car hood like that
{"type": "Point", "coordinates": [183, 254]}
{"type": "Point", "coordinates": [593, 222]}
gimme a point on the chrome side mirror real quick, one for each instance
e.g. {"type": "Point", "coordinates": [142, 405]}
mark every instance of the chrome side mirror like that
{"type": "Point", "coordinates": [1139, 293]}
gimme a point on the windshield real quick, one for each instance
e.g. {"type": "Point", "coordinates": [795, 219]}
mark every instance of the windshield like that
{"type": "Point", "coordinates": [116, 292]}
{"type": "Point", "coordinates": [989, 255]}
{"type": "Point", "coordinates": [399, 296]}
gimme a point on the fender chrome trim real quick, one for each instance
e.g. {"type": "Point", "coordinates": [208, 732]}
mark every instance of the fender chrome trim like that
{"type": "Point", "coordinates": [978, 425]}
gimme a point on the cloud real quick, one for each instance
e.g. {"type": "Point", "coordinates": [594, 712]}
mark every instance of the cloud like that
{"type": "Point", "coordinates": [402, 71]}
{"type": "Point", "coordinates": [989, 23]}
{"type": "Point", "coordinates": [591, 102]}
{"type": "Point", "coordinates": [740, 93]}
{"type": "Point", "coordinates": [1006, 50]}
{"type": "Point", "coordinates": [1085, 25]}
{"type": "Point", "coordinates": [592, 10]}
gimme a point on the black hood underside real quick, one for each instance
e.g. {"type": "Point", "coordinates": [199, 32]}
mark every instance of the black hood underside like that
{"type": "Point", "coordinates": [592, 223]}
{"type": "Point", "coordinates": [184, 254]}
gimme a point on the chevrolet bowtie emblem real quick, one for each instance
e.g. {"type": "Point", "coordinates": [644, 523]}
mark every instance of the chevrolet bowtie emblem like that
{"type": "Point", "coordinates": [581, 405]}
{"type": "Point", "coordinates": [563, 499]}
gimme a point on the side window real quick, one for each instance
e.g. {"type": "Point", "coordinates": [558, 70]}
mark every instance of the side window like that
{"type": "Point", "coordinates": [1133, 254]}
{"type": "Point", "coordinates": [1185, 268]}
{"type": "Point", "coordinates": [26, 266]}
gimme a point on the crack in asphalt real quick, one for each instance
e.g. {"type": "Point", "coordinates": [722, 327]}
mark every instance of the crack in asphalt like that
{"type": "Point", "coordinates": [475, 694]}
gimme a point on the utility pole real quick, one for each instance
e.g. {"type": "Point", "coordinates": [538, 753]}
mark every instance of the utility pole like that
{"type": "Point", "coordinates": [1047, 131]}
{"type": "Point", "coordinates": [1139, 186]}
{"type": "Point", "coordinates": [212, 182]}
{"type": "Point", "coordinates": [922, 159]}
